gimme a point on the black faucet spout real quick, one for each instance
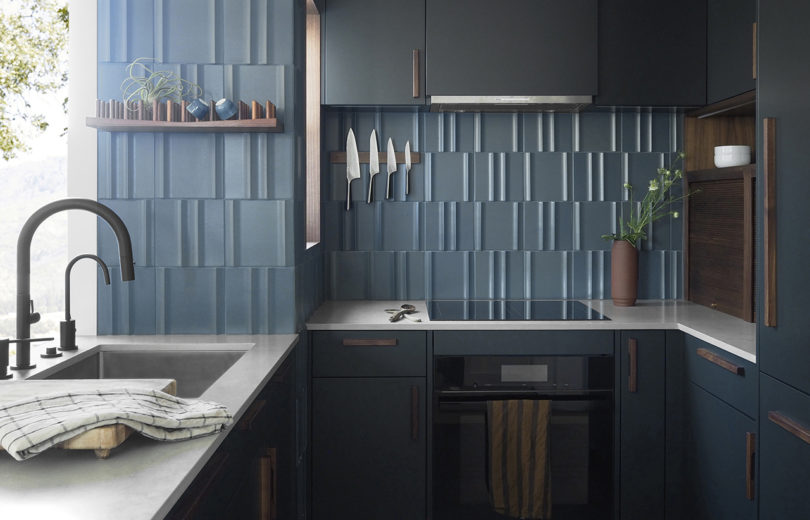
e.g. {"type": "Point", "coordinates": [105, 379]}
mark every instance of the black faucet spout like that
{"type": "Point", "coordinates": [24, 313]}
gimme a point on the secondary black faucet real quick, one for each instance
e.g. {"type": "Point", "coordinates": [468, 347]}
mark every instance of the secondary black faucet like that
{"type": "Point", "coordinates": [67, 328]}
{"type": "Point", "coordinates": [25, 314]}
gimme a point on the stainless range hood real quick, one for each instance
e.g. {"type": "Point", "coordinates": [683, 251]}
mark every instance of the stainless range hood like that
{"type": "Point", "coordinates": [509, 103]}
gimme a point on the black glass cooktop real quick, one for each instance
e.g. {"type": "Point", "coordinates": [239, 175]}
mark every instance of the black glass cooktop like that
{"type": "Point", "coordinates": [510, 310]}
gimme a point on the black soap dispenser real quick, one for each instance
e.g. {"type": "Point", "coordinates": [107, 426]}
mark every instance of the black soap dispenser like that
{"type": "Point", "coordinates": [67, 328]}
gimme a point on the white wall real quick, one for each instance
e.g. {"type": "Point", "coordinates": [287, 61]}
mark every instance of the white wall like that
{"type": "Point", "coordinates": [82, 160]}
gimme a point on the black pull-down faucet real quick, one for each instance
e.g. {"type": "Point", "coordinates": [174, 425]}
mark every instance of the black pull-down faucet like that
{"type": "Point", "coordinates": [24, 313]}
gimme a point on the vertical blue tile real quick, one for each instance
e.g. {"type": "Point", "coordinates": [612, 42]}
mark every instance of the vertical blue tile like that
{"type": "Point", "coordinates": [499, 132]}
{"type": "Point", "coordinates": [383, 275]}
{"type": "Point", "coordinates": [256, 233]}
{"type": "Point", "coordinates": [212, 80]}
{"type": "Point", "coordinates": [467, 133]}
{"type": "Point", "coordinates": [548, 176]}
{"type": "Point", "coordinates": [236, 23]}
{"type": "Point", "coordinates": [400, 226]}
{"type": "Point", "coordinates": [140, 30]}
{"type": "Point", "coordinates": [558, 226]}
{"type": "Point", "coordinates": [511, 171]}
{"type": "Point", "coordinates": [468, 226]}
{"type": "Point", "coordinates": [631, 131]}
{"type": "Point", "coordinates": [500, 225]}
{"type": "Point", "coordinates": [261, 83]}
{"type": "Point", "coordinates": [237, 179]}
{"type": "Point", "coordinates": [596, 219]}
{"type": "Point", "coordinates": [597, 131]}
{"type": "Point", "coordinates": [483, 176]}
{"type": "Point", "coordinates": [281, 319]}
{"type": "Point", "coordinates": [482, 275]}
{"type": "Point", "coordinates": [367, 226]}
{"type": "Point", "coordinates": [662, 131]}
{"type": "Point", "coordinates": [142, 165]}
{"type": "Point", "coordinates": [433, 131]}
{"type": "Point", "coordinates": [188, 29]}
{"type": "Point", "coordinates": [549, 275]}
{"type": "Point", "coordinates": [189, 233]}
{"type": "Point", "coordinates": [416, 178]}
{"type": "Point", "coordinates": [651, 275]}
{"type": "Point", "coordinates": [449, 275]}
{"type": "Point", "coordinates": [588, 276]}
{"type": "Point", "coordinates": [349, 275]}
{"type": "Point", "coordinates": [413, 286]}
{"type": "Point", "coordinates": [189, 301]}
{"type": "Point", "coordinates": [126, 307]}
{"type": "Point", "coordinates": [533, 228]}
{"type": "Point", "coordinates": [612, 176]}
{"type": "Point", "coordinates": [450, 177]}
{"type": "Point", "coordinates": [532, 138]}
{"type": "Point", "coordinates": [585, 179]}
{"type": "Point", "coordinates": [192, 166]}
{"type": "Point", "coordinates": [138, 216]}
{"type": "Point", "coordinates": [514, 272]}
{"type": "Point", "coordinates": [559, 132]}
{"type": "Point", "coordinates": [246, 299]}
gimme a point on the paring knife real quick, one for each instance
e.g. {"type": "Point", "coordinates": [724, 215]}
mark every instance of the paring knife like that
{"type": "Point", "coordinates": [392, 167]}
{"type": "Point", "coordinates": [352, 166]}
{"type": "Point", "coordinates": [373, 162]}
{"type": "Point", "coordinates": [407, 165]}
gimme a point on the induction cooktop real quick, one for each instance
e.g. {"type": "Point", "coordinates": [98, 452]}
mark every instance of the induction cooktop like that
{"type": "Point", "coordinates": [510, 310]}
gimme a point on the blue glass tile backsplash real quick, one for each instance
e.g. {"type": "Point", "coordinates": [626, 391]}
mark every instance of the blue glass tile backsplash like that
{"type": "Point", "coordinates": [500, 206]}
{"type": "Point", "coordinates": [214, 217]}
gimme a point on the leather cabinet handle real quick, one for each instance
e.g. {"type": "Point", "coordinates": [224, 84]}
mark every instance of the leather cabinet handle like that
{"type": "Point", "coordinates": [720, 361]}
{"type": "Point", "coordinates": [750, 468]}
{"type": "Point", "coordinates": [415, 74]}
{"type": "Point", "coordinates": [632, 350]}
{"type": "Point", "coordinates": [769, 219]}
{"type": "Point", "coordinates": [372, 342]}
{"type": "Point", "coordinates": [791, 425]}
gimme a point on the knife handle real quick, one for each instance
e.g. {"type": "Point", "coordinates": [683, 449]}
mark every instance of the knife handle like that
{"type": "Point", "coordinates": [348, 194]}
{"type": "Point", "coordinates": [370, 186]}
{"type": "Point", "coordinates": [388, 187]}
{"type": "Point", "coordinates": [407, 174]}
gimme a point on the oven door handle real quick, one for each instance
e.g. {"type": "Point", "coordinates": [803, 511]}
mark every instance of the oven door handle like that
{"type": "Point", "coordinates": [501, 395]}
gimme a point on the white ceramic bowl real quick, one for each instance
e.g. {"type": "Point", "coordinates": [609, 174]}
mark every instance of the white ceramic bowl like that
{"type": "Point", "coordinates": [725, 156]}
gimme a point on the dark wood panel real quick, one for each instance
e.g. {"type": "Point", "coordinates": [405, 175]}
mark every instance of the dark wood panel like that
{"type": "Point", "coordinates": [702, 135]}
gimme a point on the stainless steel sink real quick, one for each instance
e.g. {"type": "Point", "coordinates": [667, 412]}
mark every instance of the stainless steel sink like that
{"type": "Point", "coordinates": [194, 370]}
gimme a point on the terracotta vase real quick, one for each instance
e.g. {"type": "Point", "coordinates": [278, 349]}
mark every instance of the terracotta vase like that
{"type": "Point", "coordinates": [623, 273]}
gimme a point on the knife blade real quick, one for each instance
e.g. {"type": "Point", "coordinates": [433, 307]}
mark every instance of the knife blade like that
{"type": "Point", "coordinates": [407, 166]}
{"type": "Point", "coordinates": [392, 167]}
{"type": "Point", "coordinates": [373, 162]}
{"type": "Point", "coordinates": [352, 166]}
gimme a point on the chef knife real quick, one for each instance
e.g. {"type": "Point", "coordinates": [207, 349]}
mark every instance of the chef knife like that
{"type": "Point", "coordinates": [392, 167]}
{"type": "Point", "coordinates": [407, 165]}
{"type": "Point", "coordinates": [373, 162]}
{"type": "Point", "coordinates": [352, 166]}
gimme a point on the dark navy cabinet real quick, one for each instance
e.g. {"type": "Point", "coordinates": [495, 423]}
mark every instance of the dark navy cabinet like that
{"type": "Point", "coordinates": [373, 52]}
{"type": "Point", "coordinates": [642, 458]}
{"type": "Point", "coordinates": [720, 438]}
{"type": "Point", "coordinates": [730, 48]}
{"type": "Point", "coordinates": [369, 451]}
{"type": "Point", "coordinates": [785, 443]}
{"type": "Point", "coordinates": [652, 53]}
{"type": "Point", "coordinates": [511, 47]}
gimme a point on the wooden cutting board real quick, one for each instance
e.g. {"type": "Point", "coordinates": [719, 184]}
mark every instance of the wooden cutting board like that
{"type": "Point", "coordinates": [102, 439]}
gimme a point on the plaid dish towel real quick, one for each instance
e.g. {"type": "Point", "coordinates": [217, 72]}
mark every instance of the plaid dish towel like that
{"type": "Point", "coordinates": [30, 426]}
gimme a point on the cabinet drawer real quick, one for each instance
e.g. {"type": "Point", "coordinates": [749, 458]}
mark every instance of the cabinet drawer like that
{"type": "Point", "coordinates": [369, 354]}
{"type": "Point", "coordinates": [784, 454]}
{"type": "Point", "coordinates": [730, 378]}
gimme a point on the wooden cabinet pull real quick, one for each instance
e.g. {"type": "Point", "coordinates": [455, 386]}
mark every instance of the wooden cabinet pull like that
{"type": "Point", "coordinates": [723, 363]}
{"type": "Point", "coordinates": [268, 485]}
{"type": "Point", "coordinates": [794, 427]}
{"type": "Point", "coordinates": [373, 342]}
{"type": "Point", "coordinates": [750, 468]}
{"type": "Point", "coordinates": [769, 218]}
{"type": "Point", "coordinates": [415, 413]}
{"type": "Point", "coordinates": [415, 74]}
{"type": "Point", "coordinates": [247, 420]}
{"type": "Point", "coordinates": [632, 350]}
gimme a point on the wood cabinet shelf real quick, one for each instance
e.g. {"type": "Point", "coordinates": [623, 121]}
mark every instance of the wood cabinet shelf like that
{"type": "Point", "coordinates": [268, 125]}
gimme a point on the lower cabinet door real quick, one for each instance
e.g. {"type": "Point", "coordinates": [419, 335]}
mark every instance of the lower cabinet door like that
{"type": "Point", "coordinates": [784, 424]}
{"type": "Point", "coordinates": [720, 459]}
{"type": "Point", "coordinates": [368, 448]}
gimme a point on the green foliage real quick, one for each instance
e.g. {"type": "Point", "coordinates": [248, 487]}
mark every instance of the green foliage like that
{"type": "Point", "coordinates": [656, 204]}
{"type": "Point", "coordinates": [33, 38]}
{"type": "Point", "coordinates": [149, 85]}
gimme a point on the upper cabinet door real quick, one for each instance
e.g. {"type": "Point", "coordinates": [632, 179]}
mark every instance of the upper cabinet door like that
{"type": "Point", "coordinates": [511, 47]}
{"type": "Point", "coordinates": [730, 49]}
{"type": "Point", "coordinates": [652, 53]}
{"type": "Point", "coordinates": [783, 83]}
{"type": "Point", "coordinates": [373, 52]}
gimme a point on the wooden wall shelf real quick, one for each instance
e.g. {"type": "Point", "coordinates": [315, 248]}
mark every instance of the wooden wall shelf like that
{"type": "Point", "coordinates": [133, 125]}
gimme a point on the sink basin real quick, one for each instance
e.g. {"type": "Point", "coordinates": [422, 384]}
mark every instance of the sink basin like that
{"type": "Point", "coordinates": [194, 370]}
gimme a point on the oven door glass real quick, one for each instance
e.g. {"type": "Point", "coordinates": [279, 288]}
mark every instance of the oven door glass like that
{"type": "Point", "coordinates": [580, 447]}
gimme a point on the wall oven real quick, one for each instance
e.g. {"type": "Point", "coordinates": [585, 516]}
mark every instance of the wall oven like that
{"type": "Point", "coordinates": [522, 436]}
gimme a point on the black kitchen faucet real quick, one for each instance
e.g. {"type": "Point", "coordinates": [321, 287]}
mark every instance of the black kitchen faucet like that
{"type": "Point", "coordinates": [25, 308]}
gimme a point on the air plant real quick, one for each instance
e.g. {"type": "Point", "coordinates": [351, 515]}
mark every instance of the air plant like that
{"type": "Point", "coordinates": [149, 85]}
